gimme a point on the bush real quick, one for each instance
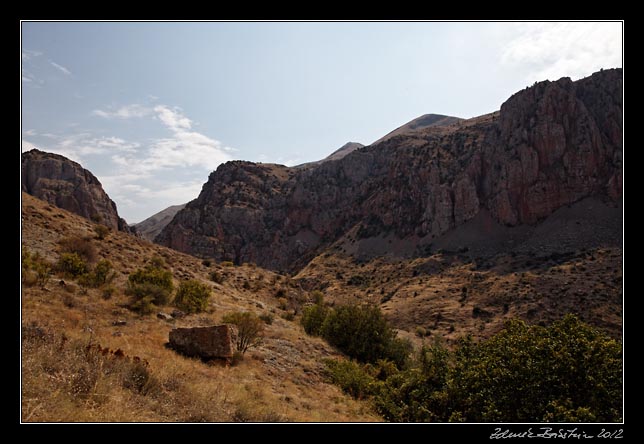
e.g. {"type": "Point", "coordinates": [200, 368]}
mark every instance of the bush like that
{"type": "Point", "coordinates": [216, 277]}
{"type": "Point", "coordinates": [108, 292]}
{"type": "Point", "coordinates": [350, 377]}
{"type": "Point", "coordinates": [362, 332]}
{"type": "Point", "coordinates": [192, 296]}
{"type": "Point", "coordinates": [313, 317]}
{"type": "Point", "coordinates": [71, 264]}
{"type": "Point", "coordinates": [101, 275]}
{"type": "Point", "coordinates": [227, 264]}
{"type": "Point", "coordinates": [206, 262]}
{"type": "Point", "coordinates": [35, 270]}
{"type": "Point", "coordinates": [150, 286]}
{"type": "Point", "coordinates": [267, 318]}
{"type": "Point", "coordinates": [567, 372]}
{"type": "Point", "coordinates": [250, 329]}
{"type": "Point", "coordinates": [82, 246]}
{"type": "Point", "coordinates": [101, 231]}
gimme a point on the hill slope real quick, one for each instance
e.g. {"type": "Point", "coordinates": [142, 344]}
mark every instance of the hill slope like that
{"type": "Point", "coordinates": [281, 380]}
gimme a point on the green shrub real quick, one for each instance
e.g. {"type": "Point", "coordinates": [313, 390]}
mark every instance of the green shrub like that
{"type": "Point", "coordinates": [567, 372]}
{"type": "Point", "coordinates": [313, 317]}
{"type": "Point", "coordinates": [71, 264]}
{"type": "Point", "coordinates": [101, 231]}
{"type": "Point", "coordinates": [362, 332]}
{"type": "Point", "coordinates": [150, 286]}
{"type": "Point", "coordinates": [206, 262]}
{"type": "Point", "coordinates": [350, 377]}
{"type": "Point", "coordinates": [250, 329]}
{"type": "Point", "coordinates": [227, 264]}
{"type": "Point", "coordinates": [100, 275]}
{"type": "Point", "coordinates": [35, 270]}
{"type": "Point", "coordinates": [192, 296]}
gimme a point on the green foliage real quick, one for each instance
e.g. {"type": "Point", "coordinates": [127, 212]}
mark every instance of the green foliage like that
{"type": "Point", "coordinates": [567, 372]}
{"type": "Point", "coordinates": [35, 270]}
{"type": "Point", "coordinates": [206, 262]}
{"type": "Point", "coordinates": [100, 275]}
{"type": "Point", "coordinates": [533, 373]}
{"type": "Point", "coordinates": [192, 296]}
{"type": "Point", "coordinates": [351, 377]}
{"type": "Point", "coordinates": [227, 264]}
{"type": "Point", "coordinates": [150, 286]}
{"type": "Point", "coordinates": [71, 264]}
{"type": "Point", "coordinates": [250, 329]}
{"type": "Point", "coordinates": [103, 272]}
{"type": "Point", "coordinates": [362, 332]}
{"type": "Point", "coordinates": [101, 231]}
{"type": "Point", "coordinates": [313, 317]}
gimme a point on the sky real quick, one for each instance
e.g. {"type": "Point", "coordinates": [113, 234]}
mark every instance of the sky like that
{"type": "Point", "coordinates": [151, 108]}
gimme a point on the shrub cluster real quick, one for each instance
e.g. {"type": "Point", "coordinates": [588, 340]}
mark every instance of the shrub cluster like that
{"type": "Point", "coordinates": [150, 286]}
{"type": "Point", "coordinates": [192, 296]}
{"type": "Point", "coordinates": [360, 331]}
{"type": "Point", "coordinates": [567, 372]}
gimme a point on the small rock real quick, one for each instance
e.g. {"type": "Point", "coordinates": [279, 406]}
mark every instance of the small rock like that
{"type": "Point", "coordinates": [164, 316]}
{"type": "Point", "coordinates": [177, 314]}
{"type": "Point", "coordinates": [119, 322]}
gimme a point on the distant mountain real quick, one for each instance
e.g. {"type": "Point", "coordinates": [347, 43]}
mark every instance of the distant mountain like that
{"type": "Point", "coordinates": [66, 184]}
{"type": "Point", "coordinates": [419, 123]}
{"type": "Point", "coordinates": [338, 154]}
{"type": "Point", "coordinates": [152, 226]}
{"type": "Point", "coordinates": [550, 146]}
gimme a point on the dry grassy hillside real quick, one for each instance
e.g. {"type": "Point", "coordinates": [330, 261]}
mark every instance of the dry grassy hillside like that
{"type": "Point", "coordinates": [281, 380]}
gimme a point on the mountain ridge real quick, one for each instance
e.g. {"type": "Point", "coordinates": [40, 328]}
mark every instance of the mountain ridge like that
{"type": "Point", "coordinates": [549, 146]}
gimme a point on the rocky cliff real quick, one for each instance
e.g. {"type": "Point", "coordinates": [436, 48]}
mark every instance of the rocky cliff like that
{"type": "Point", "coordinates": [549, 146]}
{"type": "Point", "coordinates": [66, 184]}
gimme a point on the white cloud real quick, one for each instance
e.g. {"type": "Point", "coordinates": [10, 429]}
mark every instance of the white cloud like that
{"type": "Point", "coordinates": [30, 132]}
{"type": "Point", "coordinates": [156, 173]}
{"type": "Point", "coordinates": [172, 118]}
{"type": "Point", "coordinates": [554, 50]}
{"type": "Point", "coordinates": [124, 112]}
{"type": "Point", "coordinates": [60, 68]}
{"type": "Point", "coordinates": [80, 145]}
{"type": "Point", "coordinates": [28, 54]}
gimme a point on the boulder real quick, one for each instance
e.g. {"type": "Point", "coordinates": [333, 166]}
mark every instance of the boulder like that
{"type": "Point", "coordinates": [208, 343]}
{"type": "Point", "coordinates": [164, 316]}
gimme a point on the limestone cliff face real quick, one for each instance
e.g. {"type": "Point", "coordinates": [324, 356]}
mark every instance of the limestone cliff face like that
{"type": "Point", "coordinates": [550, 145]}
{"type": "Point", "coordinates": [66, 184]}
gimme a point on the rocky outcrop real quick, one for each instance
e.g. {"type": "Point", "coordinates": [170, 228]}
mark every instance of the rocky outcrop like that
{"type": "Point", "coordinates": [152, 226]}
{"type": "Point", "coordinates": [338, 154]}
{"type": "Point", "coordinates": [64, 183]}
{"type": "Point", "coordinates": [207, 343]}
{"type": "Point", "coordinates": [549, 146]}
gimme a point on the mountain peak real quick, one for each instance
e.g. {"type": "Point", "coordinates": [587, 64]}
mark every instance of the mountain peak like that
{"type": "Point", "coordinates": [424, 121]}
{"type": "Point", "coordinates": [66, 184]}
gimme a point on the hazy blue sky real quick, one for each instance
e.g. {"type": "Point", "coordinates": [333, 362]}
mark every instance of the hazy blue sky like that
{"type": "Point", "coordinates": [152, 108]}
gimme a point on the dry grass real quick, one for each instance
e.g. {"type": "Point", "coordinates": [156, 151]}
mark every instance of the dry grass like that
{"type": "Point", "coordinates": [450, 295]}
{"type": "Point", "coordinates": [279, 381]}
